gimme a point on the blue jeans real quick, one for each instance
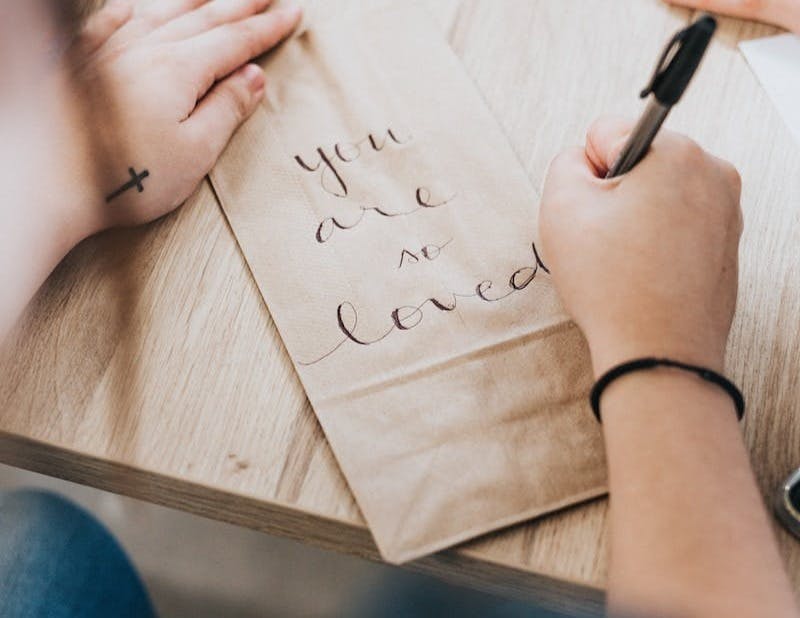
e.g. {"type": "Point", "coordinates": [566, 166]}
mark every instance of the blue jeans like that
{"type": "Point", "coordinates": [57, 561]}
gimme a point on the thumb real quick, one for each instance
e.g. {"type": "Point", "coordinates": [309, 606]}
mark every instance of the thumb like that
{"type": "Point", "coordinates": [225, 107]}
{"type": "Point", "coordinates": [605, 140]}
{"type": "Point", "coordinates": [567, 177]}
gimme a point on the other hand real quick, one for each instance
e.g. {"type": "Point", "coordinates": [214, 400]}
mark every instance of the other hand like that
{"type": "Point", "coordinates": [645, 263]}
{"type": "Point", "coordinates": [166, 84]}
{"type": "Point", "coordinates": [783, 13]}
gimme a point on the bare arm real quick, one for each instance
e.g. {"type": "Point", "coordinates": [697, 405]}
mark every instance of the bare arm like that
{"type": "Point", "coordinates": [691, 536]}
{"type": "Point", "coordinates": [121, 131]}
{"type": "Point", "coordinates": [647, 266]}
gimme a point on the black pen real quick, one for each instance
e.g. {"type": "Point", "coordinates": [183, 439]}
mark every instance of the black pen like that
{"type": "Point", "coordinates": [674, 71]}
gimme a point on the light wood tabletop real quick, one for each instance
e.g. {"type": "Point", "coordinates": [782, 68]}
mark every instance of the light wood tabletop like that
{"type": "Point", "coordinates": [148, 365]}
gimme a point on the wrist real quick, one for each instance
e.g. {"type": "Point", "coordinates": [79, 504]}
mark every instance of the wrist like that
{"type": "Point", "coordinates": [75, 211]}
{"type": "Point", "coordinates": [77, 201]}
{"type": "Point", "coordinates": [608, 352]}
{"type": "Point", "coordinates": [667, 391]}
{"type": "Point", "coordinates": [650, 364]}
{"type": "Point", "coordinates": [78, 211]}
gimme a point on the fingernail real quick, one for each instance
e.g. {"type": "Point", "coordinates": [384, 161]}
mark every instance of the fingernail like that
{"type": "Point", "coordinates": [254, 76]}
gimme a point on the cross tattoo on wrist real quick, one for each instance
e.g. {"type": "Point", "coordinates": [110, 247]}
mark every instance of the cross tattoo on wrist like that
{"type": "Point", "coordinates": [136, 182]}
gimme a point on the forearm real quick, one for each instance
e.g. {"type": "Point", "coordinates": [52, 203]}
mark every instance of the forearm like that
{"type": "Point", "coordinates": [690, 536]}
{"type": "Point", "coordinates": [35, 241]}
{"type": "Point", "coordinates": [54, 209]}
{"type": "Point", "coordinates": [48, 200]}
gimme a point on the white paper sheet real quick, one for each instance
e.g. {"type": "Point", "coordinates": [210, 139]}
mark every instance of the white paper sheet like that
{"type": "Point", "coordinates": [776, 62]}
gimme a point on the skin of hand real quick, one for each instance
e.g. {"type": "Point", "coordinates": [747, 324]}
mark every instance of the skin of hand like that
{"type": "Point", "coordinates": [646, 263]}
{"type": "Point", "coordinates": [156, 85]}
{"type": "Point", "coordinates": [174, 81]}
{"type": "Point", "coordinates": [783, 13]}
{"type": "Point", "coordinates": [647, 266]}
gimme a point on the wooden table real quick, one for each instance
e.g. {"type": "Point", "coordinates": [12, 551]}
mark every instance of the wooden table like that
{"type": "Point", "coordinates": [149, 366]}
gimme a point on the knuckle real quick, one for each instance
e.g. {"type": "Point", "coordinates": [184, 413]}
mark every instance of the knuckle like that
{"type": "Point", "coordinates": [149, 18]}
{"type": "Point", "coordinates": [208, 16]}
{"type": "Point", "coordinates": [249, 37]}
{"type": "Point", "coordinates": [690, 150]}
{"type": "Point", "coordinates": [734, 177]}
{"type": "Point", "coordinates": [217, 13]}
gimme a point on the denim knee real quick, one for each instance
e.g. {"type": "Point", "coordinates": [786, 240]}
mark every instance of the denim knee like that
{"type": "Point", "coordinates": [31, 507]}
{"type": "Point", "coordinates": [57, 561]}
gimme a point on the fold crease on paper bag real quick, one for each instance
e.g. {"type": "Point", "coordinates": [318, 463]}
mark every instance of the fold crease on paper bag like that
{"type": "Point", "coordinates": [392, 233]}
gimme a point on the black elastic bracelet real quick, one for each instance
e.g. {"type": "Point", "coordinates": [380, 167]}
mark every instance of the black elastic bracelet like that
{"type": "Point", "coordinates": [650, 363]}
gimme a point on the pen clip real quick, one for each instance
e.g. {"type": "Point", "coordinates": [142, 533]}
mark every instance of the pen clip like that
{"type": "Point", "coordinates": [661, 66]}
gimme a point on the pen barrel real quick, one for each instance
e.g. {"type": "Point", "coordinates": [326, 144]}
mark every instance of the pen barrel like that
{"type": "Point", "coordinates": [641, 138]}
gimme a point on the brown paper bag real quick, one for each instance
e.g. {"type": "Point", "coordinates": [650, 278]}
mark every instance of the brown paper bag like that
{"type": "Point", "coordinates": [392, 232]}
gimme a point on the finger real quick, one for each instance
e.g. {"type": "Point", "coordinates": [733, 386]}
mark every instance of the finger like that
{"type": "Point", "coordinates": [210, 16]}
{"type": "Point", "coordinates": [604, 142]}
{"type": "Point", "coordinates": [160, 12]}
{"type": "Point", "coordinates": [102, 25]}
{"type": "Point", "coordinates": [568, 173]}
{"type": "Point", "coordinates": [567, 170]}
{"type": "Point", "coordinates": [773, 11]}
{"type": "Point", "coordinates": [226, 106]}
{"type": "Point", "coordinates": [224, 49]}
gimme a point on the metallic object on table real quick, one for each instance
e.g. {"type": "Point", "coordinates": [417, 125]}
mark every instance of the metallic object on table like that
{"type": "Point", "coordinates": [787, 505]}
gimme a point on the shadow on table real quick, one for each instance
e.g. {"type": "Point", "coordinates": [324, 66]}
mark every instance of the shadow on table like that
{"type": "Point", "coordinates": [406, 595]}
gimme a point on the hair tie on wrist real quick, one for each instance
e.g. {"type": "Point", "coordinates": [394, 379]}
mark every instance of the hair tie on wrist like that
{"type": "Point", "coordinates": [651, 363]}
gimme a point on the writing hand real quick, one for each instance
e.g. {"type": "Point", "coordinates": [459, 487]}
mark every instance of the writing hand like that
{"type": "Point", "coordinates": [783, 13]}
{"type": "Point", "coordinates": [645, 263]}
{"type": "Point", "coordinates": [167, 84]}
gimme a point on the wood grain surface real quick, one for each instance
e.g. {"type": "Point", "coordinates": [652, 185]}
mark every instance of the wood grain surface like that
{"type": "Point", "coordinates": [148, 364]}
